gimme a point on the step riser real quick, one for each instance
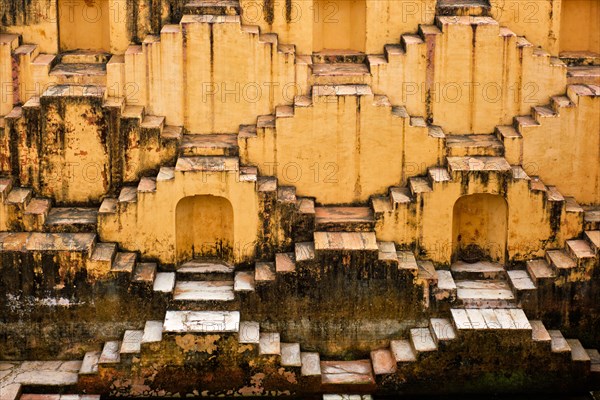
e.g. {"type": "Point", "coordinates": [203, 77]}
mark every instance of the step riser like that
{"type": "Point", "coordinates": [213, 10]}
{"type": "Point", "coordinates": [83, 58]}
{"type": "Point", "coordinates": [345, 226]}
{"type": "Point", "coordinates": [200, 151]}
{"type": "Point", "coordinates": [338, 58]}
{"type": "Point", "coordinates": [484, 303]}
{"type": "Point", "coordinates": [81, 80]}
{"type": "Point", "coordinates": [212, 276]}
{"type": "Point", "coordinates": [71, 228]}
{"type": "Point", "coordinates": [476, 275]}
{"type": "Point", "coordinates": [340, 80]}
{"type": "Point", "coordinates": [475, 151]}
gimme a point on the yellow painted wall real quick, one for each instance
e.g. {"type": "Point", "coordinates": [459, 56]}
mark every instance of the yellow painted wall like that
{"type": "Point", "coordinates": [135, 227]}
{"type": "Point", "coordinates": [481, 220]}
{"type": "Point", "coordinates": [204, 226]}
{"type": "Point", "coordinates": [84, 24]}
{"type": "Point", "coordinates": [580, 26]}
{"type": "Point", "coordinates": [339, 24]}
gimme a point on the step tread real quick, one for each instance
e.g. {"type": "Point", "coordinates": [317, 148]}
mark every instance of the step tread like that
{"type": "Point", "coordinates": [152, 332]}
{"type": "Point", "coordinates": [560, 259]}
{"type": "Point", "coordinates": [439, 174]}
{"type": "Point", "coordinates": [347, 372]}
{"type": "Point", "coordinates": [473, 141]}
{"type": "Point", "coordinates": [124, 262]}
{"type": "Point", "coordinates": [540, 269]}
{"type": "Point", "coordinates": [594, 359]}
{"type": "Point", "coordinates": [152, 122]}
{"type": "Point", "coordinates": [422, 340]}
{"type": "Point", "coordinates": [38, 206]}
{"type": "Point", "coordinates": [400, 195]}
{"type": "Point", "coordinates": [264, 272]}
{"type": "Point", "coordinates": [484, 289]}
{"type": "Point", "coordinates": [521, 280]}
{"type": "Point", "coordinates": [325, 215]}
{"type": "Point", "coordinates": [201, 321]}
{"type": "Point", "coordinates": [244, 281]}
{"type": "Point", "coordinates": [594, 238]}
{"type": "Point", "coordinates": [290, 355]}
{"type": "Point", "coordinates": [349, 241]}
{"type": "Point", "coordinates": [419, 185]}
{"type": "Point", "coordinates": [480, 267]}
{"type": "Point", "coordinates": [558, 343]}
{"type": "Point", "coordinates": [407, 260]}
{"type": "Point", "coordinates": [147, 185]}
{"type": "Point", "coordinates": [340, 69]}
{"type": "Point", "coordinates": [110, 353]}
{"type": "Point", "coordinates": [304, 251]}
{"type": "Point", "coordinates": [383, 362]}
{"type": "Point", "coordinates": [539, 332]}
{"type": "Point", "coordinates": [90, 363]}
{"type": "Point", "coordinates": [128, 194]}
{"type": "Point", "coordinates": [213, 141]}
{"type": "Point", "coordinates": [269, 343]}
{"type": "Point", "coordinates": [209, 163]}
{"type": "Point", "coordinates": [132, 342]}
{"type": "Point", "coordinates": [445, 280]}
{"type": "Point", "coordinates": [19, 195]}
{"type": "Point", "coordinates": [144, 272]}
{"type": "Point", "coordinates": [249, 332]}
{"type": "Point", "coordinates": [164, 282]}
{"type": "Point", "coordinates": [496, 164]}
{"type": "Point", "coordinates": [402, 350]}
{"type": "Point", "coordinates": [78, 69]}
{"type": "Point", "coordinates": [199, 266]}
{"type": "Point", "coordinates": [442, 329]}
{"type": "Point", "coordinates": [490, 318]}
{"type": "Point", "coordinates": [311, 364]}
{"type": "Point", "coordinates": [578, 353]}
{"type": "Point", "coordinates": [204, 291]}
{"type": "Point", "coordinates": [72, 216]}
{"type": "Point", "coordinates": [285, 262]}
{"type": "Point", "coordinates": [46, 241]}
{"type": "Point", "coordinates": [581, 249]}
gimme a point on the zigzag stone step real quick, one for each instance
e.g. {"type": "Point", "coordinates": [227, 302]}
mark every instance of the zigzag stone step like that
{"type": "Point", "coordinates": [201, 322]}
{"type": "Point", "coordinates": [269, 343]}
{"type": "Point", "coordinates": [485, 293]}
{"type": "Point", "coordinates": [42, 241]}
{"type": "Point", "coordinates": [477, 271]}
{"type": "Point", "coordinates": [593, 237]}
{"type": "Point", "coordinates": [347, 373]}
{"type": "Point", "coordinates": [290, 355]}
{"type": "Point", "coordinates": [89, 364]}
{"type": "Point", "coordinates": [474, 145]}
{"type": "Point", "coordinates": [152, 332]}
{"type": "Point", "coordinates": [344, 219]}
{"type": "Point", "coordinates": [209, 164]}
{"type": "Point", "coordinates": [249, 332]}
{"type": "Point", "coordinates": [345, 241]}
{"type": "Point", "coordinates": [311, 364]}
{"type": "Point", "coordinates": [403, 351]}
{"type": "Point", "coordinates": [204, 291]}
{"type": "Point", "coordinates": [209, 145]}
{"type": "Point", "coordinates": [205, 270]}
{"type": "Point", "coordinates": [490, 319]}
{"type": "Point", "coordinates": [383, 362]}
{"type": "Point", "coordinates": [132, 342]}
{"type": "Point", "coordinates": [164, 282]}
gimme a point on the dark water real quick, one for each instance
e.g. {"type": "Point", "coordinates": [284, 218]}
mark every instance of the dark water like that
{"type": "Point", "coordinates": [455, 397]}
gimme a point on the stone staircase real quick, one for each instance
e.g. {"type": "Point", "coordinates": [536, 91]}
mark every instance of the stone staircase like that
{"type": "Point", "coordinates": [443, 333]}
